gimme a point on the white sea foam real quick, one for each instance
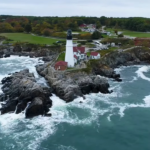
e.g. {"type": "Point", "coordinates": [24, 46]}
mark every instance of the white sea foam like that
{"type": "Point", "coordinates": [134, 79]}
{"type": "Point", "coordinates": [35, 130]}
{"type": "Point", "coordinates": [141, 71]}
{"type": "Point", "coordinates": [147, 100]}
{"type": "Point", "coordinates": [62, 147]}
{"type": "Point", "coordinates": [118, 70]}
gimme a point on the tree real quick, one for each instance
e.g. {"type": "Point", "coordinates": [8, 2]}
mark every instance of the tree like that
{"type": "Point", "coordinates": [6, 27]}
{"type": "Point", "coordinates": [28, 28]}
{"type": "Point", "coordinates": [98, 25]}
{"type": "Point", "coordinates": [121, 35]}
{"type": "Point", "coordinates": [96, 35]}
{"type": "Point", "coordinates": [46, 32]}
{"type": "Point", "coordinates": [116, 32]}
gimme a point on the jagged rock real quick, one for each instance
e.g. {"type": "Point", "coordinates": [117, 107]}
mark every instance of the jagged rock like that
{"type": "Point", "coordinates": [35, 108]}
{"type": "Point", "coordinates": [22, 88]}
{"type": "Point", "coordinates": [6, 55]}
{"type": "Point", "coordinates": [1, 54]}
{"type": "Point", "coordinates": [105, 67]}
{"type": "Point", "coordinates": [69, 86]}
{"type": "Point", "coordinates": [17, 49]}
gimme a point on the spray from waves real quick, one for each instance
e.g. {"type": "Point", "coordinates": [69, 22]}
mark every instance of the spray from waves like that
{"type": "Point", "coordinates": [147, 100]}
{"type": "Point", "coordinates": [39, 128]}
{"type": "Point", "coordinates": [32, 132]}
{"type": "Point", "coordinates": [141, 71]}
{"type": "Point", "coordinates": [16, 63]}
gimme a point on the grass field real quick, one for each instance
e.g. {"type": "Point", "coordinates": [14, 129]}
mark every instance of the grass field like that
{"type": "Point", "coordinates": [137, 34]}
{"type": "Point", "coordinates": [104, 52]}
{"type": "Point", "coordinates": [61, 57]}
{"type": "Point", "coordinates": [23, 37]}
{"type": "Point", "coordinates": [131, 33]}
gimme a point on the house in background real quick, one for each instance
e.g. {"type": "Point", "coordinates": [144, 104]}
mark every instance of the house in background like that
{"type": "Point", "coordinates": [94, 55]}
{"type": "Point", "coordinates": [87, 27]}
{"type": "Point", "coordinates": [61, 65]}
{"type": "Point", "coordinates": [142, 42]}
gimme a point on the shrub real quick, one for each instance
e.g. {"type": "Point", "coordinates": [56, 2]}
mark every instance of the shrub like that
{"type": "Point", "coordinates": [82, 42]}
{"type": "Point", "coordinates": [89, 41]}
{"type": "Point", "coordinates": [84, 36]}
{"type": "Point", "coordinates": [120, 35]}
{"type": "Point", "coordinates": [46, 32]}
{"type": "Point", "coordinates": [59, 34]}
{"type": "Point", "coordinates": [96, 35]}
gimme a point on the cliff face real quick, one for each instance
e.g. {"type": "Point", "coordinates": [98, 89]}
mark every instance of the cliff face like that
{"type": "Point", "coordinates": [105, 66]}
{"type": "Point", "coordinates": [48, 53]}
{"type": "Point", "coordinates": [22, 93]}
{"type": "Point", "coordinates": [70, 85]}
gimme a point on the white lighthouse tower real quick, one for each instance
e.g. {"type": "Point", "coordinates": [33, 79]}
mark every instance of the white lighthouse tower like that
{"type": "Point", "coordinates": [69, 57]}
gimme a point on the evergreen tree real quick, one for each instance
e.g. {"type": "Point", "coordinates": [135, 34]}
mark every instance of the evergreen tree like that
{"type": "Point", "coordinates": [96, 35]}
{"type": "Point", "coordinates": [28, 28]}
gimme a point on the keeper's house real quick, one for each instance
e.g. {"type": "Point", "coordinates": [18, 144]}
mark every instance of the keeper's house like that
{"type": "Point", "coordinates": [61, 65]}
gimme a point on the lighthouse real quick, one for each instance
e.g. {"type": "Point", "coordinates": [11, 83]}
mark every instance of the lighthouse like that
{"type": "Point", "coordinates": [69, 57]}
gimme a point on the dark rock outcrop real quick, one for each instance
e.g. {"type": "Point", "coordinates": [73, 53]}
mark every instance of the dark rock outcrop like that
{"type": "Point", "coordinates": [70, 85]}
{"type": "Point", "coordinates": [105, 66]}
{"type": "Point", "coordinates": [48, 52]}
{"type": "Point", "coordinates": [21, 90]}
{"type": "Point", "coordinates": [1, 54]}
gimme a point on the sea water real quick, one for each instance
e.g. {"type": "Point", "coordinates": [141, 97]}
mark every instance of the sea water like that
{"type": "Point", "coordinates": [116, 121]}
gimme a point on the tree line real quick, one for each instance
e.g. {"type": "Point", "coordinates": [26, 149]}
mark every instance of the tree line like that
{"type": "Point", "coordinates": [50, 25]}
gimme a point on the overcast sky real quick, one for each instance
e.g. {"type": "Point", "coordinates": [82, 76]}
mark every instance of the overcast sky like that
{"type": "Point", "coordinates": [109, 8]}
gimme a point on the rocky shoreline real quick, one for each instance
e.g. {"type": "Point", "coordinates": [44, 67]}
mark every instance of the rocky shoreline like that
{"type": "Point", "coordinates": [22, 93]}
{"type": "Point", "coordinates": [48, 53]}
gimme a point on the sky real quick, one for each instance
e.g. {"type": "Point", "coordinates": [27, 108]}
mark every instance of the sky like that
{"type": "Point", "coordinates": [98, 8]}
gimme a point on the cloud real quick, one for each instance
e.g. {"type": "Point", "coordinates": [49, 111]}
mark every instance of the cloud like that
{"type": "Point", "coordinates": [109, 8]}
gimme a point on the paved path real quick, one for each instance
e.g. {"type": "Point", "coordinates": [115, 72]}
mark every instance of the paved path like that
{"type": "Point", "coordinates": [129, 48]}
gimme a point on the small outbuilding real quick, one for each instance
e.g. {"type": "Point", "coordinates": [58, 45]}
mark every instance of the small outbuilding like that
{"type": "Point", "coordinates": [61, 65]}
{"type": "Point", "coordinates": [95, 55]}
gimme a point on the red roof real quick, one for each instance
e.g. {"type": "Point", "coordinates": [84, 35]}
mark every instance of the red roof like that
{"type": "Point", "coordinates": [83, 25]}
{"type": "Point", "coordinates": [75, 57]}
{"type": "Point", "coordinates": [75, 49]}
{"type": "Point", "coordinates": [94, 53]}
{"type": "Point", "coordinates": [81, 49]}
{"type": "Point", "coordinates": [61, 63]}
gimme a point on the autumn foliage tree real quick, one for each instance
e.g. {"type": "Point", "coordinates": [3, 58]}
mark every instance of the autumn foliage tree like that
{"type": "Point", "coordinates": [6, 27]}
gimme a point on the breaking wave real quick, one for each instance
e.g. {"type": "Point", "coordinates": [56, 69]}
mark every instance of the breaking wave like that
{"type": "Point", "coordinates": [31, 132]}
{"type": "Point", "coordinates": [141, 72]}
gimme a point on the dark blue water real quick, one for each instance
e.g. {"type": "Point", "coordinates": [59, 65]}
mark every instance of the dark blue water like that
{"type": "Point", "coordinates": [117, 121]}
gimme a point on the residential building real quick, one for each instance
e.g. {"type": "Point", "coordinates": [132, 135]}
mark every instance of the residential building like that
{"type": "Point", "coordinates": [142, 42]}
{"type": "Point", "coordinates": [61, 65]}
{"type": "Point", "coordinates": [79, 53]}
{"type": "Point", "coordinates": [94, 55]}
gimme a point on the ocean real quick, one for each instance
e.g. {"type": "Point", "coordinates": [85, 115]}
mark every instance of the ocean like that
{"type": "Point", "coordinates": [116, 121]}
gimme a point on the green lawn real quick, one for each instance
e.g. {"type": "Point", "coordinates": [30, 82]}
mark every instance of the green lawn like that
{"type": "Point", "coordinates": [89, 45]}
{"type": "Point", "coordinates": [137, 34]}
{"type": "Point", "coordinates": [61, 57]}
{"type": "Point", "coordinates": [104, 52]}
{"type": "Point", "coordinates": [131, 33]}
{"type": "Point", "coordinates": [23, 37]}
